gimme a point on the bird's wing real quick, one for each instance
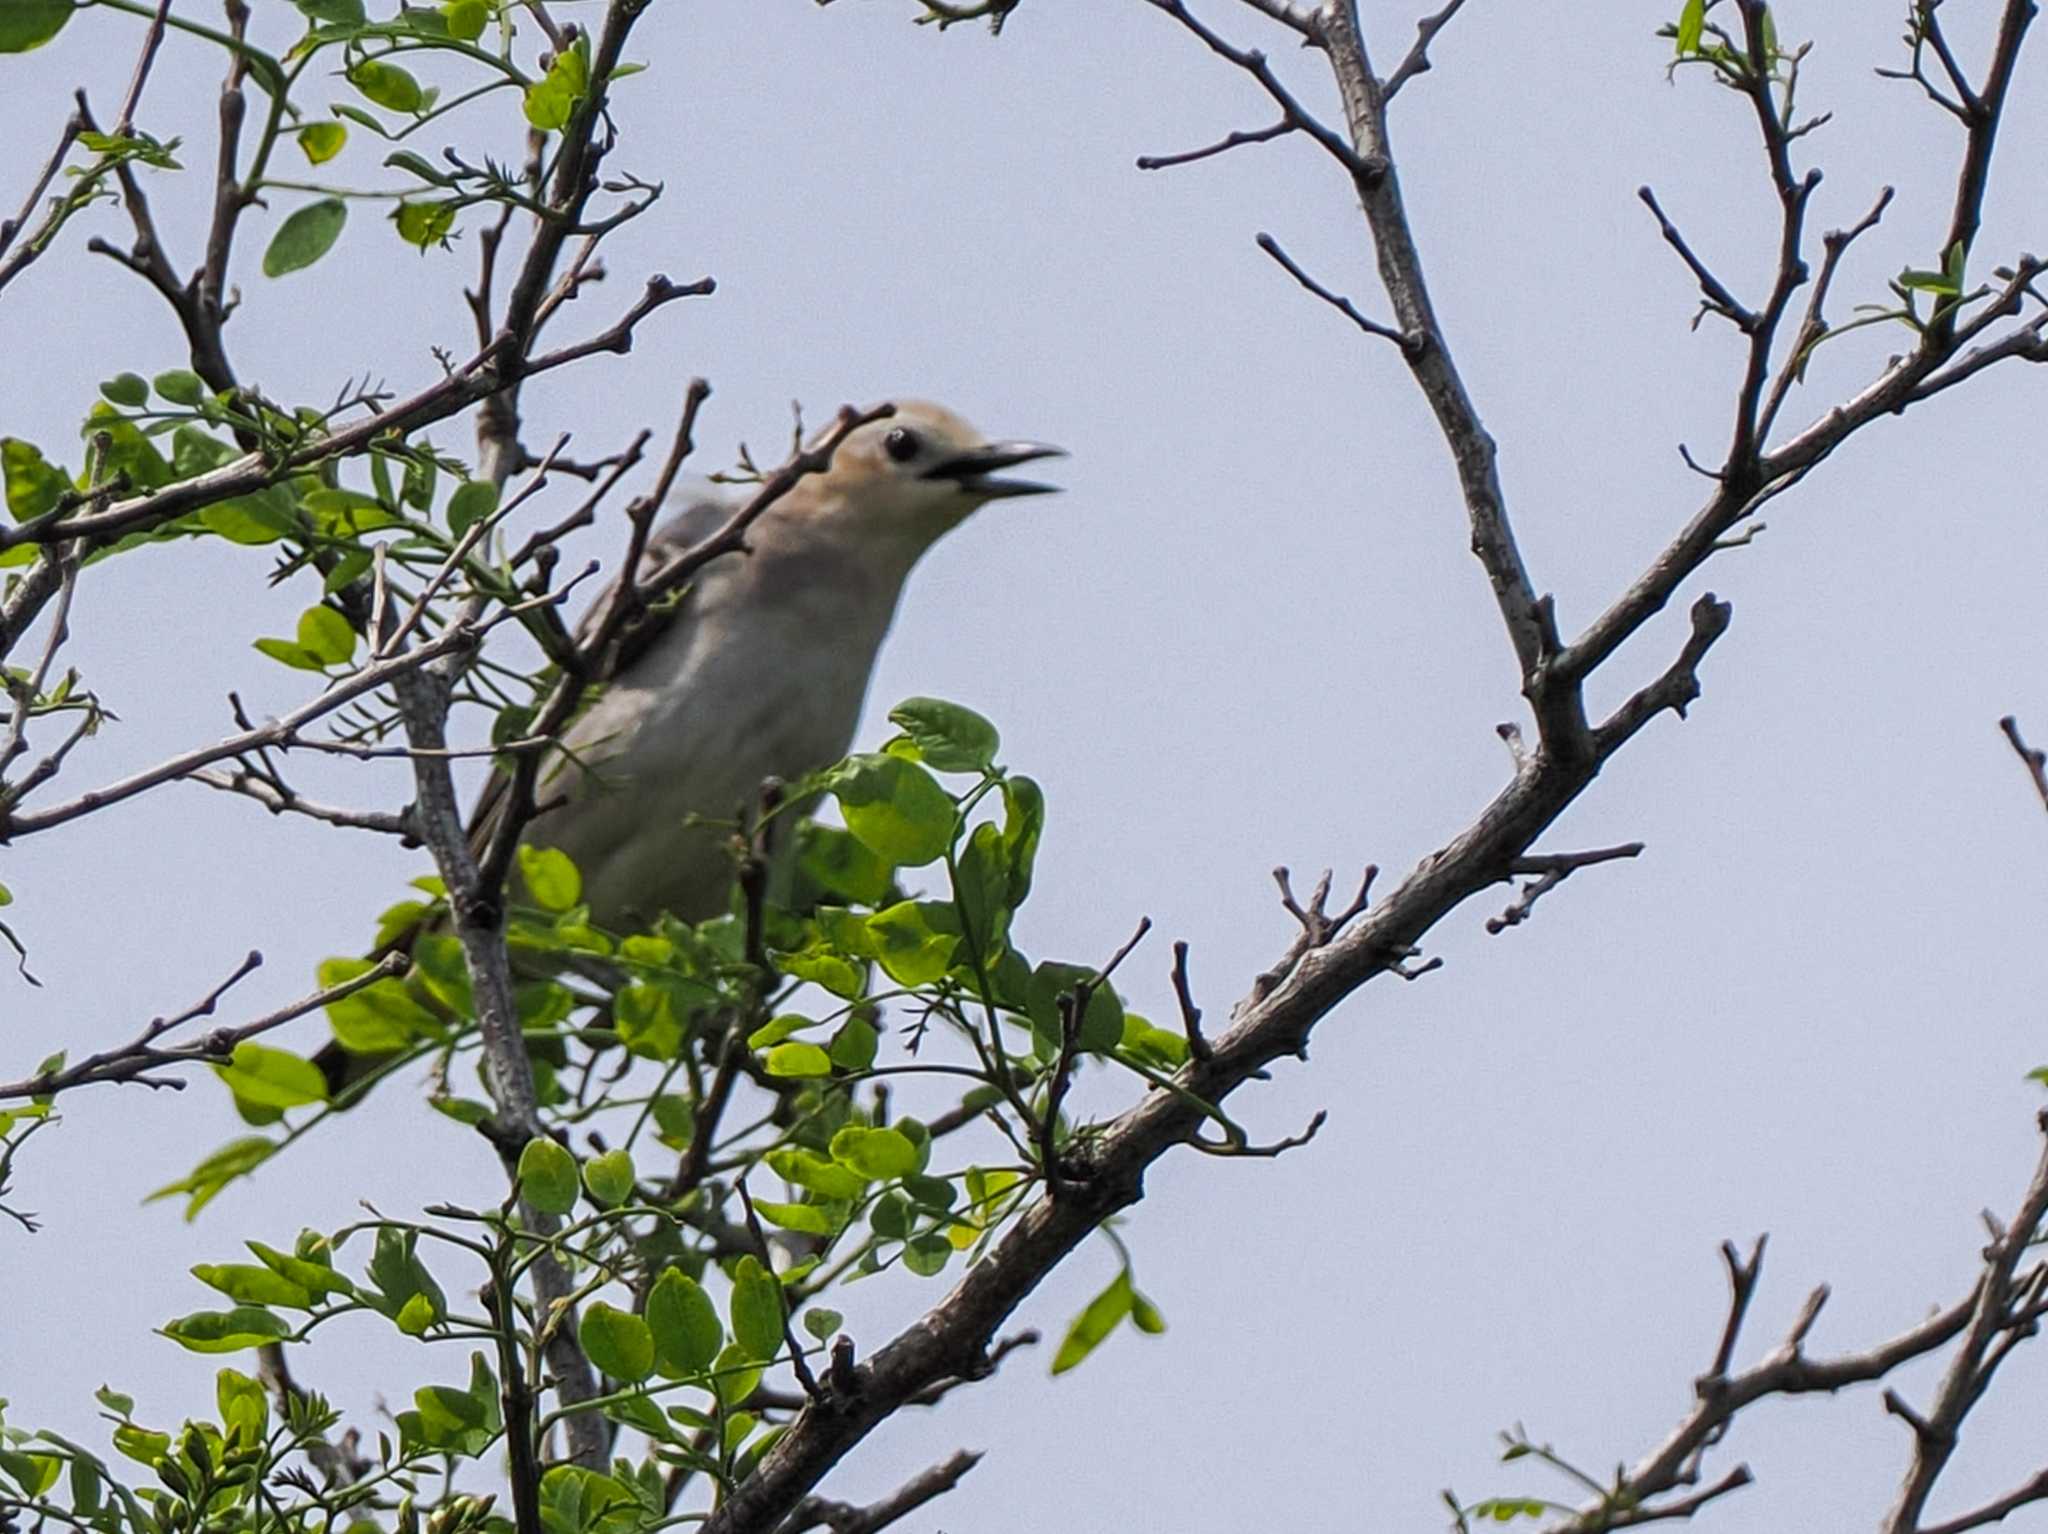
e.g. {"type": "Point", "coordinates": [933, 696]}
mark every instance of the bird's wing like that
{"type": "Point", "coordinates": [705, 512]}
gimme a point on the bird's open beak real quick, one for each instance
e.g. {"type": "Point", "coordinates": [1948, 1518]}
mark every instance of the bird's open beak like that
{"type": "Point", "coordinates": [974, 468]}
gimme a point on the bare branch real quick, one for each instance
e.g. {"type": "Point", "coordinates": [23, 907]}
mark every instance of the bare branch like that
{"type": "Point", "coordinates": [136, 1060]}
{"type": "Point", "coordinates": [1417, 61]}
{"type": "Point", "coordinates": [1227, 142]}
{"type": "Point", "coordinates": [1336, 301]}
{"type": "Point", "coordinates": [1551, 869]}
{"type": "Point", "coordinates": [846, 1518]}
{"type": "Point", "coordinates": [2036, 762]}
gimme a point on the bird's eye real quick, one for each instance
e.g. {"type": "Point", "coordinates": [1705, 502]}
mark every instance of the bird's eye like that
{"type": "Point", "coordinates": [902, 444]}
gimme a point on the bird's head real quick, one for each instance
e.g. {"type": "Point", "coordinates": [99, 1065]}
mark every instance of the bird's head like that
{"type": "Point", "coordinates": [922, 471]}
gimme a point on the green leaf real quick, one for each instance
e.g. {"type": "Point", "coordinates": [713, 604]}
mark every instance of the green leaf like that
{"type": "Point", "coordinates": [854, 1046]}
{"type": "Point", "coordinates": [840, 865]}
{"type": "Point", "coordinates": [1692, 25]}
{"type": "Point", "coordinates": [1928, 282]}
{"type": "Point", "coordinates": [1095, 1322]}
{"type": "Point", "coordinates": [333, 13]}
{"type": "Point", "coordinates": [1023, 825]}
{"type": "Point", "coordinates": [896, 808]}
{"type": "Point", "coordinates": [386, 84]}
{"type": "Point", "coordinates": [618, 1342]}
{"type": "Point", "coordinates": [447, 1414]}
{"type": "Point", "coordinates": [687, 1333]}
{"type": "Point", "coordinates": [756, 1310]}
{"type": "Point", "coordinates": [878, 1154]}
{"type": "Point", "coordinates": [33, 1473]}
{"type": "Point", "coordinates": [316, 1278]}
{"type": "Point", "coordinates": [610, 1177]}
{"type": "Point", "coordinates": [244, 1405]}
{"type": "Point", "coordinates": [823, 1324]}
{"type": "Point", "coordinates": [141, 1444]}
{"type": "Point", "coordinates": [797, 1058]}
{"type": "Point", "coordinates": [551, 877]}
{"type": "Point", "coordinates": [444, 971]}
{"type": "Point", "coordinates": [303, 238]}
{"type": "Point", "coordinates": [811, 1219]}
{"type": "Point", "coordinates": [949, 737]}
{"type": "Point", "coordinates": [472, 501]}
{"type": "Point", "coordinates": [34, 485]}
{"type": "Point", "coordinates": [247, 1284]}
{"type": "Point", "coordinates": [181, 386]}
{"type": "Point", "coordinates": [676, 1119]}
{"type": "Point", "coordinates": [1102, 1025]}
{"type": "Point", "coordinates": [547, 1176]}
{"type": "Point", "coordinates": [735, 1375]}
{"type": "Point", "coordinates": [927, 1255]}
{"type": "Point", "coordinates": [226, 1331]}
{"type": "Point", "coordinates": [466, 19]}
{"type": "Point", "coordinates": [326, 635]}
{"type": "Point", "coordinates": [425, 224]}
{"type": "Point", "coordinates": [321, 142]}
{"type": "Point", "coordinates": [272, 1078]}
{"type": "Point", "coordinates": [915, 940]}
{"type": "Point", "coordinates": [416, 1315]}
{"type": "Point", "coordinates": [377, 1019]}
{"type": "Point", "coordinates": [236, 1159]}
{"type": "Point", "coordinates": [26, 24]}
{"type": "Point", "coordinates": [551, 101]}
{"type": "Point", "coordinates": [263, 517]}
{"type": "Point", "coordinates": [130, 389]}
{"type": "Point", "coordinates": [807, 1169]}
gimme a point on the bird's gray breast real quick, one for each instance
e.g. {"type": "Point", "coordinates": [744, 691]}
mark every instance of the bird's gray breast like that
{"type": "Point", "coordinates": [761, 674]}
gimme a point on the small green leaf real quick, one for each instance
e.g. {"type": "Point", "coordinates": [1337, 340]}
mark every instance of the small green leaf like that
{"type": "Point", "coordinates": [840, 865]}
{"type": "Point", "coordinates": [685, 1325]}
{"type": "Point", "coordinates": [466, 19]}
{"type": "Point", "coordinates": [141, 1444]}
{"type": "Point", "coordinates": [551, 878]}
{"type": "Point", "coordinates": [551, 101]}
{"type": "Point", "coordinates": [333, 13]}
{"type": "Point", "coordinates": [247, 1284]}
{"type": "Point", "coordinates": [26, 24]}
{"type": "Point", "coordinates": [547, 1176]}
{"type": "Point", "coordinates": [303, 238]}
{"type": "Point", "coordinates": [1095, 1322]}
{"type": "Point", "coordinates": [735, 1376]}
{"type": "Point", "coordinates": [34, 485]}
{"type": "Point", "coordinates": [244, 1405]}
{"type": "Point", "coordinates": [181, 386]}
{"type": "Point", "coordinates": [949, 737]}
{"type": "Point", "coordinates": [325, 635]}
{"type": "Point", "coordinates": [610, 1177]}
{"type": "Point", "coordinates": [823, 1324]}
{"type": "Point", "coordinates": [130, 389]}
{"type": "Point", "coordinates": [810, 1219]}
{"type": "Point", "coordinates": [226, 1331]}
{"type": "Point", "coordinates": [617, 1341]}
{"type": "Point", "coordinates": [472, 501]}
{"type": "Point", "coordinates": [927, 1255]}
{"type": "Point", "coordinates": [797, 1058]}
{"type": "Point", "coordinates": [896, 808]}
{"type": "Point", "coordinates": [1692, 25]}
{"type": "Point", "coordinates": [321, 142]}
{"type": "Point", "coordinates": [386, 84]}
{"type": "Point", "coordinates": [272, 1078]}
{"type": "Point", "coordinates": [854, 1046]}
{"type": "Point", "coordinates": [425, 224]}
{"type": "Point", "coordinates": [807, 1169]}
{"type": "Point", "coordinates": [875, 1153]}
{"type": "Point", "coordinates": [756, 1310]}
{"type": "Point", "coordinates": [416, 1315]}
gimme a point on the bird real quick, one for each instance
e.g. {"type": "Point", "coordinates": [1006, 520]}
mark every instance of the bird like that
{"type": "Point", "coordinates": [758, 673]}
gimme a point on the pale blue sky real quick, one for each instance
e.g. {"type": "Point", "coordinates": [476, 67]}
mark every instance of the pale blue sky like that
{"type": "Point", "coordinates": [1250, 633]}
